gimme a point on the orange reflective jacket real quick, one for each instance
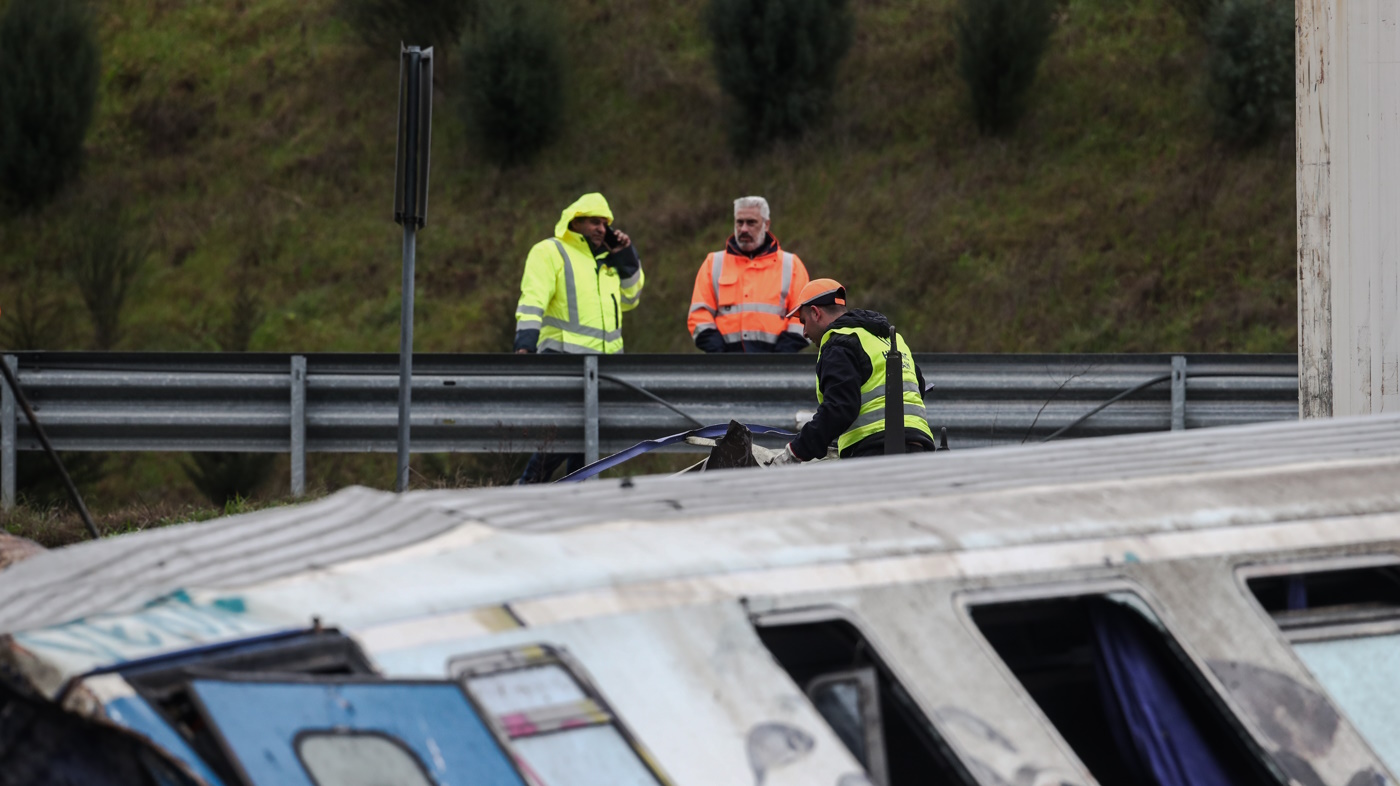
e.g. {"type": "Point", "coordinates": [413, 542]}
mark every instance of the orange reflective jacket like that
{"type": "Point", "coordinates": [745, 299]}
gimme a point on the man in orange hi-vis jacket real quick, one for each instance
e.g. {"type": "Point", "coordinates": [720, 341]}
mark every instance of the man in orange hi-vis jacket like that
{"type": "Point", "coordinates": [743, 292]}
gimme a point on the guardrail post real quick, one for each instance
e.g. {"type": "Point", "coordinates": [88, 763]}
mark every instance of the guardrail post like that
{"type": "Point", "coordinates": [590, 409]}
{"type": "Point", "coordinates": [8, 438]}
{"type": "Point", "coordinates": [1178, 393]}
{"type": "Point", "coordinates": [298, 448]}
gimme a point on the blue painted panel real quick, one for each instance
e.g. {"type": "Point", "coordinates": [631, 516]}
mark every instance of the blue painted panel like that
{"type": "Point", "coordinates": [137, 714]}
{"type": "Point", "coordinates": [260, 722]}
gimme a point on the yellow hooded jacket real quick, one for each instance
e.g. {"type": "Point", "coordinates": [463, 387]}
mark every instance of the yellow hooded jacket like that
{"type": "Point", "coordinates": [575, 302]}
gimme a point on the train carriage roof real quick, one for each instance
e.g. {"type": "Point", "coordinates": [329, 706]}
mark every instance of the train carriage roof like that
{"type": "Point", "coordinates": [368, 561]}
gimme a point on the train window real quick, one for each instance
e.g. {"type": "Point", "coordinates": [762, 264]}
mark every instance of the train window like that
{"type": "Point", "coordinates": [557, 724]}
{"type": "Point", "coordinates": [359, 759]}
{"type": "Point", "coordinates": [855, 692]}
{"type": "Point", "coordinates": [1345, 627]}
{"type": "Point", "coordinates": [1121, 692]}
{"type": "Point", "coordinates": [1329, 604]}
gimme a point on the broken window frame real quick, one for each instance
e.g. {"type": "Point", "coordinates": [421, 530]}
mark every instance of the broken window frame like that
{"type": "Point", "coordinates": [1321, 624]}
{"type": "Point", "coordinates": [1139, 598]}
{"type": "Point", "coordinates": [867, 686]}
{"type": "Point", "coordinates": [163, 680]}
{"type": "Point", "coordinates": [592, 711]}
{"type": "Point", "coordinates": [807, 615]}
{"type": "Point", "coordinates": [1325, 624]}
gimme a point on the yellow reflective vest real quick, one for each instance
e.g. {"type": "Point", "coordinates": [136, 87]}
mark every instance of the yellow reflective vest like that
{"type": "Point", "coordinates": [574, 301]}
{"type": "Point", "coordinates": [871, 418]}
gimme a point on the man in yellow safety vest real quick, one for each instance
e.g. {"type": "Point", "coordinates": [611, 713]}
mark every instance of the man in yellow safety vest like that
{"type": "Point", "coordinates": [575, 288]}
{"type": "Point", "coordinates": [851, 380]}
{"type": "Point", "coordinates": [578, 283]}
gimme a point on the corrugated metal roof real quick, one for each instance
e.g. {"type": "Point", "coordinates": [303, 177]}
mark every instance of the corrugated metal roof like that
{"type": "Point", "coordinates": [563, 506]}
{"type": "Point", "coordinates": [126, 573]}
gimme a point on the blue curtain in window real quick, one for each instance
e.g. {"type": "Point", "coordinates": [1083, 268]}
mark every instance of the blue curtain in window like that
{"type": "Point", "coordinates": [1151, 725]}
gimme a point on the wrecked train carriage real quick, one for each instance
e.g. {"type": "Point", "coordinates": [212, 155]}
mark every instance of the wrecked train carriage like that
{"type": "Point", "coordinates": [1222, 604]}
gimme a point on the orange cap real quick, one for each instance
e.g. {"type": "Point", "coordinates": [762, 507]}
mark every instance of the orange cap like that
{"type": "Point", "coordinates": [820, 292]}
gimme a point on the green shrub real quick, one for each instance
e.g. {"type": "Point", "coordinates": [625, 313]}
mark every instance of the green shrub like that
{"type": "Point", "coordinates": [1197, 13]}
{"type": "Point", "coordinates": [38, 482]}
{"type": "Point", "coordinates": [223, 477]}
{"type": "Point", "coordinates": [104, 264]}
{"type": "Point", "coordinates": [384, 24]}
{"type": "Point", "coordinates": [1000, 44]}
{"type": "Point", "coordinates": [1251, 68]}
{"type": "Point", "coordinates": [36, 314]}
{"type": "Point", "coordinates": [514, 81]}
{"type": "Point", "coordinates": [777, 62]}
{"type": "Point", "coordinates": [48, 89]}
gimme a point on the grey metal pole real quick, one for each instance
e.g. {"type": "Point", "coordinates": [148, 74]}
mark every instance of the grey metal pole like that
{"type": "Point", "coordinates": [590, 409]}
{"type": "Point", "coordinates": [298, 446]}
{"type": "Point", "coordinates": [1178, 393]}
{"type": "Point", "coordinates": [406, 354]}
{"type": "Point", "coordinates": [410, 230]}
{"type": "Point", "coordinates": [7, 439]}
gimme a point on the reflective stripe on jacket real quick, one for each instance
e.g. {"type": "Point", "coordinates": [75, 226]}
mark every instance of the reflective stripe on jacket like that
{"type": "Point", "coordinates": [871, 417]}
{"type": "Point", "coordinates": [745, 299]}
{"type": "Point", "coordinates": [573, 300]}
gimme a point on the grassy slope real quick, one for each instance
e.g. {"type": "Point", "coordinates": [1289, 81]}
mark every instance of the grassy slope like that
{"type": "Point", "coordinates": [254, 141]}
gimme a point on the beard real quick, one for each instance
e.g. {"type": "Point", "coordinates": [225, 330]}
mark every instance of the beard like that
{"type": "Point", "coordinates": [750, 243]}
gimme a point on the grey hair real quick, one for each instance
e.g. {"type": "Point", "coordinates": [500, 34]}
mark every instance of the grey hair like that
{"type": "Point", "coordinates": [752, 201]}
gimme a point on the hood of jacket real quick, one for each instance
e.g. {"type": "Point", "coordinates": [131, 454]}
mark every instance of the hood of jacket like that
{"type": "Point", "coordinates": [872, 321]}
{"type": "Point", "coordinates": [587, 205]}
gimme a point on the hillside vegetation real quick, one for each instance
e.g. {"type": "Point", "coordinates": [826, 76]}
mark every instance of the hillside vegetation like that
{"type": "Point", "coordinates": [252, 144]}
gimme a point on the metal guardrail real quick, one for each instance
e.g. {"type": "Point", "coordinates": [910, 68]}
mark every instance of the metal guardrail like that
{"type": "Point", "coordinates": [297, 404]}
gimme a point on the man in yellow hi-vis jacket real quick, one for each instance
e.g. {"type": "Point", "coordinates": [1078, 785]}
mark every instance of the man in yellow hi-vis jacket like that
{"type": "Point", "coordinates": [575, 288]}
{"type": "Point", "coordinates": [578, 283]}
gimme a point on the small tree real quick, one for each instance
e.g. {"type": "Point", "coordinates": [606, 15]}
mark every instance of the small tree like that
{"type": "Point", "coordinates": [514, 81]}
{"type": "Point", "coordinates": [48, 89]}
{"type": "Point", "coordinates": [1251, 68]}
{"type": "Point", "coordinates": [777, 61]}
{"type": "Point", "coordinates": [104, 264]}
{"type": "Point", "coordinates": [384, 24]}
{"type": "Point", "coordinates": [1000, 44]}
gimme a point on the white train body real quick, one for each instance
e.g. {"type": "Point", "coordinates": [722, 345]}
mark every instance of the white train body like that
{"type": "Point", "coordinates": [999, 616]}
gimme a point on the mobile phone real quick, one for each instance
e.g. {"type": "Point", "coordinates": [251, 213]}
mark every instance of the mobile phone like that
{"type": "Point", "coordinates": [610, 238]}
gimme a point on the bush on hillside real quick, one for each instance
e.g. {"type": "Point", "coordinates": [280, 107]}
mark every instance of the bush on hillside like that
{"type": "Point", "coordinates": [224, 477]}
{"type": "Point", "coordinates": [36, 315]}
{"type": "Point", "coordinates": [384, 24]}
{"type": "Point", "coordinates": [514, 81]}
{"type": "Point", "coordinates": [1000, 45]}
{"type": "Point", "coordinates": [1251, 68]}
{"type": "Point", "coordinates": [48, 89]}
{"type": "Point", "coordinates": [777, 61]}
{"type": "Point", "coordinates": [103, 264]}
{"type": "Point", "coordinates": [1197, 13]}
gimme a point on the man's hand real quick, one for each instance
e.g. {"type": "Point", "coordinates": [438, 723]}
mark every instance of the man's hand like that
{"type": "Point", "coordinates": [784, 456]}
{"type": "Point", "coordinates": [619, 241]}
{"type": "Point", "coordinates": [523, 352]}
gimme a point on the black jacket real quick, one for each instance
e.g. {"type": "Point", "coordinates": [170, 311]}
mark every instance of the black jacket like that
{"type": "Point", "coordinates": [842, 367]}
